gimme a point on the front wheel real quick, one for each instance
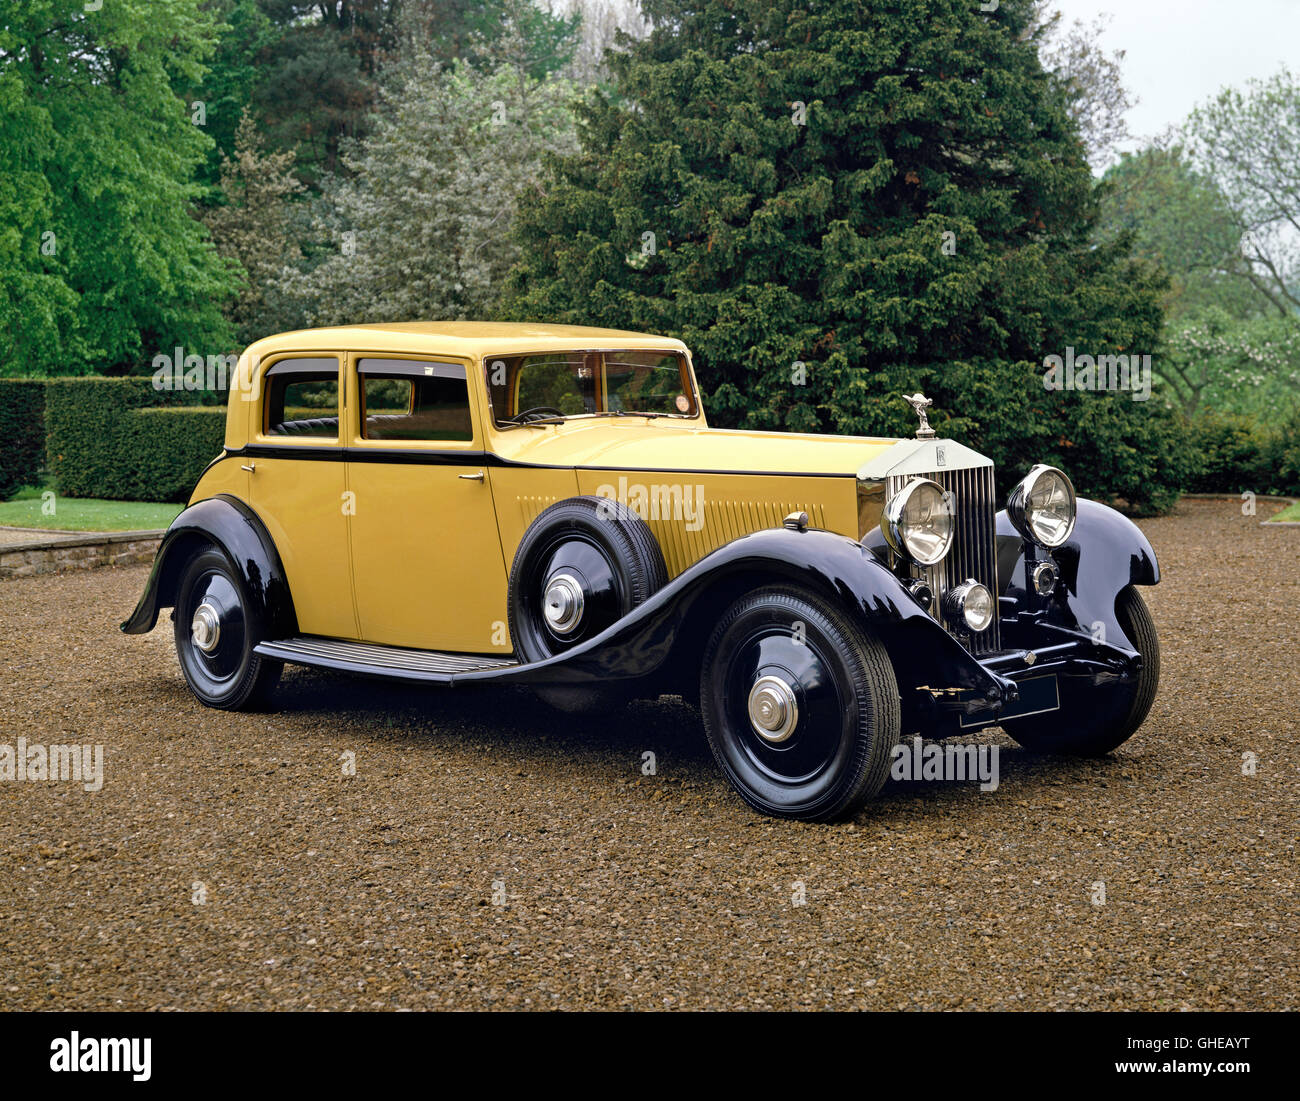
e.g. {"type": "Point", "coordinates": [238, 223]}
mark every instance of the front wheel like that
{"type": "Point", "coordinates": [581, 566]}
{"type": "Point", "coordinates": [800, 706]}
{"type": "Point", "coordinates": [216, 630]}
{"type": "Point", "coordinates": [1094, 719]}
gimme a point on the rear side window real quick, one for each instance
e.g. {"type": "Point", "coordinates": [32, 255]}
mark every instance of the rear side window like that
{"type": "Point", "coordinates": [414, 399]}
{"type": "Point", "coordinates": [302, 399]}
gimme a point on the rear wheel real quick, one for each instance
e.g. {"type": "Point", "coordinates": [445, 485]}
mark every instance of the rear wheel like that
{"type": "Point", "coordinates": [1094, 719]}
{"type": "Point", "coordinates": [581, 566]}
{"type": "Point", "coordinates": [800, 706]}
{"type": "Point", "coordinates": [216, 630]}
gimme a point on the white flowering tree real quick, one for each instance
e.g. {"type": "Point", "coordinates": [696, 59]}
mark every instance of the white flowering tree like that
{"type": "Point", "coordinates": [1217, 361]}
{"type": "Point", "coordinates": [600, 24]}
{"type": "Point", "coordinates": [419, 227]}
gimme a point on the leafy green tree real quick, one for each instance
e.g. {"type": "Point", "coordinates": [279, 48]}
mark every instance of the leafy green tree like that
{"type": "Point", "coordinates": [247, 39]}
{"type": "Point", "coordinates": [841, 204]}
{"type": "Point", "coordinates": [37, 307]}
{"type": "Point", "coordinates": [104, 262]}
{"type": "Point", "coordinates": [472, 30]}
{"type": "Point", "coordinates": [1222, 218]}
{"type": "Point", "coordinates": [319, 78]}
{"type": "Point", "coordinates": [1180, 219]}
{"type": "Point", "coordinates": [1249, 143]}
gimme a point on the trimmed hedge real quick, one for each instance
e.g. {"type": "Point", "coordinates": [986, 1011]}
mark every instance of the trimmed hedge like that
{"type": "Point", "coordinates": [121, 439]}
{"type": "Point", "coordinates": [1229, 450]}
{"type": "Point", "coordinates": [1282, 456]}
{"type": "Point", "coordinates": [1235, 453]}
{"type": "Point", "coordinates": [172, 446]}
{"type": "Point", "coordinates": [22, 433]}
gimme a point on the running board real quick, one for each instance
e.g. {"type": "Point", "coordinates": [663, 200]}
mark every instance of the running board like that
{"type": "Point", "coordinates": [381, 661]}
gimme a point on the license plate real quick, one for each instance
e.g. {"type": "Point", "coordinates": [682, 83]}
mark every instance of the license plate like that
{"type": "Point", "coordinates": [1037, 695]}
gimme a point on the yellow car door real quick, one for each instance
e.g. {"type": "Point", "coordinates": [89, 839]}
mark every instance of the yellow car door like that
{"type": "Point", "coordinates": [297, 487]}
{"type": "Point", "coordinates": [427, 565]}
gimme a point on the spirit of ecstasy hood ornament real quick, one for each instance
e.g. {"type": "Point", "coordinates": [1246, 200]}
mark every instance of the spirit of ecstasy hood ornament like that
{"type": "Point", "coordinates": [920, 403]}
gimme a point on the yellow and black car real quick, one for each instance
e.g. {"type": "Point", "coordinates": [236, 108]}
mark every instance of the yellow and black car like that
{"type": "Point", "coordinates": [470, 502]}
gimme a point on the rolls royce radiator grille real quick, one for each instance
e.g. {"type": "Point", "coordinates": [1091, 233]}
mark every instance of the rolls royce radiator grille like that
{"type": "Point", "coordinates": [974, 547]}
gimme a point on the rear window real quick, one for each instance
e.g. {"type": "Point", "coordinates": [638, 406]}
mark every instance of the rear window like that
{"type": "Point", "coordinates": [302, 399]}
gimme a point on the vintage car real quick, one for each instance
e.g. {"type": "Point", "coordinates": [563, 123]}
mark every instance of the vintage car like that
{"type": "Point", "coordinates": [473, 503]}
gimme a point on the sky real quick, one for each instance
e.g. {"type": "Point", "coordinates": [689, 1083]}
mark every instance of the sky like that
{"type": "Point", "coordinates": [1181, 52]}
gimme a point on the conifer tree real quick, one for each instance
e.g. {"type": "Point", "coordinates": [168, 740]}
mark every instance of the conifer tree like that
{"type": "Point", "coordinates": [838, 203]}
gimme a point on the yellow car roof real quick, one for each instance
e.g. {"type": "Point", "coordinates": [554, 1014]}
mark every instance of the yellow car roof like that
{"type": "Point", "coordinates": [461, 338]}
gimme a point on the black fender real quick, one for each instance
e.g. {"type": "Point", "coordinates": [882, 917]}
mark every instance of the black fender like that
{"type": "Point", "coordinates": [236, 528]}
{"type": "Point", "coordinates": [1105, 553]}
{"type": "Point", "coordinates": [662, 638]}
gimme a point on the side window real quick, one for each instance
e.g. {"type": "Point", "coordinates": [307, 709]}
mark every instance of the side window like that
{"type": "Point", "coordinates": [302, 399]}
{"type": "Point", "coordinates": [413, 399]}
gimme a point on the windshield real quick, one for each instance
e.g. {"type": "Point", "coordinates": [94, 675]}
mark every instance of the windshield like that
{"type": "Point", "coordinates": [554, 385]}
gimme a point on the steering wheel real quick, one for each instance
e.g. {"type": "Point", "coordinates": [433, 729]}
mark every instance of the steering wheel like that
{"type": "Point", "coordinates": [535, 412]}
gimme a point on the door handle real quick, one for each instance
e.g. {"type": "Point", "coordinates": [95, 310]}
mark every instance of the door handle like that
{"type": "Point", "coordinates": [472, 477]}
{"type": "Point", "coordinates": [250, 467]}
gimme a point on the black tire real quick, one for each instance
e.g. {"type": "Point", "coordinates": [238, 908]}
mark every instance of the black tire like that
{"type": "Point", "coordinates": [1094, 719]}
{"type": "Point", "coordinates": [610, 555]}
{"type": "Point", "coordinates": [847, 711]}
{"type": "Point", "coordinates": [229, 676]}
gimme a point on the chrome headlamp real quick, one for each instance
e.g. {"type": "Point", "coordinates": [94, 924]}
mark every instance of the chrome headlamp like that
{"type": "Point", "coordinates": [918, 522]}
{"type": "Point", "coordinates": [1042, 507]}
{"type": "Point", "coordinates": [971, 603]}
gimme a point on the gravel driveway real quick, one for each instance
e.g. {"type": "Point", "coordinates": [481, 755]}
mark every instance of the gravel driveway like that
{"type": "Point", "coordinates": [227, 860]}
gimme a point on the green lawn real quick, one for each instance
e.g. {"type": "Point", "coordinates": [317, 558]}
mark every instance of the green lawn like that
{"type": "Point", "coordinates": [73, 514]}
{"type": "Point", "coordinates": [1291, 512]}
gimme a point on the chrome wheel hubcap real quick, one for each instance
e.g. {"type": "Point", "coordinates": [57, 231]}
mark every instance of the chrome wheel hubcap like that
{"type": "Point", "coordinates": [563, 602]}
{"type": "Point", "coordinates": [773, 709]}
{"type": "Point", "coordinates": [205, 628]}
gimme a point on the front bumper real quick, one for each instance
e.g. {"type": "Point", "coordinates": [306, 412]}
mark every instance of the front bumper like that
{"type": "Point", "coordinates": [1026, 678]}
